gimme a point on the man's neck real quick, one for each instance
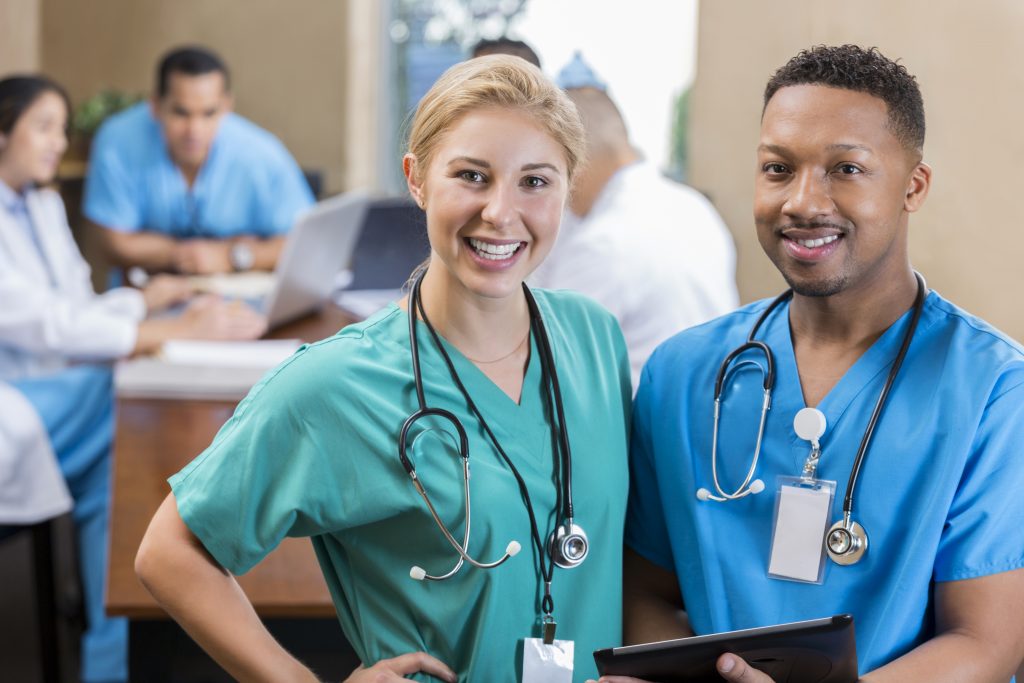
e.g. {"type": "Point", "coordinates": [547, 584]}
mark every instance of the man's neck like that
{"type": "Point", "coordinates": [831, 333]}
{"type": "Point", "coordinates": [189, 173]}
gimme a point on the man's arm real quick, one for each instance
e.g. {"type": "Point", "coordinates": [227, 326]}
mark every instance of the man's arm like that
{"type": "Point", "coordinates": [979, 638]}
{"type": "Point", "coordinates": [149, 250]}
{"type": "Point", "coordinates": [652, 606]}
{"type": "Point", "coordinates": [980, 627]}
{"type": "Point", "coordinates": [156, 252]}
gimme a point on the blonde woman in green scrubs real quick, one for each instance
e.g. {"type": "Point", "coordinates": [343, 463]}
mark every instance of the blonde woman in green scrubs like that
{"type": "Point", "coordinates": [313, 450]}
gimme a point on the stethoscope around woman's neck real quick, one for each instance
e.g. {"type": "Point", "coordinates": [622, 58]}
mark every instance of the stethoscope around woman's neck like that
{"type": "Point", "coordinates": [568, 545]}
{"type": "Point", "coordinates": [846, 541]}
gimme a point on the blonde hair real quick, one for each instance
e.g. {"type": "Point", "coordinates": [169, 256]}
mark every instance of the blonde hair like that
{"type": "Point", "coordinates": [502, 81]}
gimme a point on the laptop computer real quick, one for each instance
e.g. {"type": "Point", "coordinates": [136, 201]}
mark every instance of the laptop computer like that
{"type": "Point", "coordinates": [319, 245]}
{"type": "Point", "coordinates": [392, 242]}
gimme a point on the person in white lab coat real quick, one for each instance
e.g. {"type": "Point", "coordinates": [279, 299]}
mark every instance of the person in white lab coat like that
{"type": "Point", "coordinates": [57, 338]}
{"type": "Point", "coordinates": [652, 251]}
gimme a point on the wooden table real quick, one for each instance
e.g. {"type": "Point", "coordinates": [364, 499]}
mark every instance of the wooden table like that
{"type": "Point", "coordinates": [157, 437]}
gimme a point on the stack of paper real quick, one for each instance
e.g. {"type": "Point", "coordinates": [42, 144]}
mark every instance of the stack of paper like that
{"type": "Point", "coordinates": [201, 369]}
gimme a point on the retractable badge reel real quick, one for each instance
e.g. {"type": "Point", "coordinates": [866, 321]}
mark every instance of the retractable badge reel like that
{"type": "Point", "coordinates": [802, 507]}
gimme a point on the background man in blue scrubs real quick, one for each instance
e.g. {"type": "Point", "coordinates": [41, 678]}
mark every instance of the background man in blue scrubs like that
{"type": "Point", "coordinates": [183, 184]}
{"type": "Point", "coordinates": [939, 594]}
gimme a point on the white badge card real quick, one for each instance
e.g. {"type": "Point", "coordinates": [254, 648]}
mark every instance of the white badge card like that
{"type": "Point", "coordinates": [802, 509]}
{"type": "Point", "coordinates": [547, 663]}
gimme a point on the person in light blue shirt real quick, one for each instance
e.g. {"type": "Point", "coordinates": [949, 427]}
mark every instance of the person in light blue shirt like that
{"type": "Point", "coordinates": [184, 184]}
{"type": "Point", "coordinates": [938, 594]}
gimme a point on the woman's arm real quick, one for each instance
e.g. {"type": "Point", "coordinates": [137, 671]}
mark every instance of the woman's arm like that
{"type": "Point", "coordinates": [208, 603]}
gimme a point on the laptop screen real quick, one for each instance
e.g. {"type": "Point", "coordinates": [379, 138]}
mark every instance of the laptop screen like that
{"type": "Point", "coordinates": [392, 242]}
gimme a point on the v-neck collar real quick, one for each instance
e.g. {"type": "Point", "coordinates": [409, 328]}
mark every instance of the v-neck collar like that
{"type": "Point", "coordinates": [877, 359]}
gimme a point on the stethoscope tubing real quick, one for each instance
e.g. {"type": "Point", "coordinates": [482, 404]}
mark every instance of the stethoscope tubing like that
{"type": "Point", "coordinates": [564, 468]}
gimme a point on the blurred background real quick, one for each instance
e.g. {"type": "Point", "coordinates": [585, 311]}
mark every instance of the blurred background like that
{"type": "Point", "coordinates": [336, 79]}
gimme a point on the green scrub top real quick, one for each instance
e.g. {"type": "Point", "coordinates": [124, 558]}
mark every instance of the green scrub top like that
{"type": "Point", "coordinates": [312, 451]}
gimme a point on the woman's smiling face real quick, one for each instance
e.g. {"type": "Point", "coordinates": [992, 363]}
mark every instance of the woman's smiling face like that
{"type": "Point", "coordinates": [493, 193]}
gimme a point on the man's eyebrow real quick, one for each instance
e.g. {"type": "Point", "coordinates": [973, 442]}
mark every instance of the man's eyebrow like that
{"type": "Point", "coordinates": [775, 149]}
{"type": "Point", "coordinates": [849, 146]}
{"type": "Point", "coordinates": [838, 146]}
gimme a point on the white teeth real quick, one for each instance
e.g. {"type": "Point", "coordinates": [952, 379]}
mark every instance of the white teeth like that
{"type": "Point", "coordinates": [494, 252]}
{"type": "Point", "coordinates": [811, 244]}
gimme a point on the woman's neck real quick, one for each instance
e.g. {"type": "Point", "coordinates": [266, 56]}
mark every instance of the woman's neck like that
{"type": "Point", "coordinates": [482, 329]}
{"type": "Point", "coordinates": [11, 179]}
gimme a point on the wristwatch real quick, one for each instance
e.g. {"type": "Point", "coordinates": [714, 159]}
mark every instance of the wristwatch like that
{"type": "Point", "coordinates": [241, 256]}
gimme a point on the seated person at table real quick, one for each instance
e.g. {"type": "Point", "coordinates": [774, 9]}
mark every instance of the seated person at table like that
{"type": "Point", "coordinates": [923, 543]}
{"type": "Point", "coordinates": [183, 184]}
{"type": "Point", "coordinates": [57, 336]}
{"type": "Point", "coordinates": [314, 450]}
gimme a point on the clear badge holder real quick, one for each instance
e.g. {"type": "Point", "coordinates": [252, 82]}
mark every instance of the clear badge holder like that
{"type": "Point", "coordinates": [803, 508]}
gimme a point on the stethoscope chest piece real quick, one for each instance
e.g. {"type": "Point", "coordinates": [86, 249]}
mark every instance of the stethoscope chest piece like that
{"type": "Point", "coordinates": [569, 545]}
{"type": "Point", "coordinates": [846, 542]}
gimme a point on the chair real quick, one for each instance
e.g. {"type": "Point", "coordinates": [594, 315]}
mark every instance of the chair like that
{"type": "Point", "coordinates": [54, 612]}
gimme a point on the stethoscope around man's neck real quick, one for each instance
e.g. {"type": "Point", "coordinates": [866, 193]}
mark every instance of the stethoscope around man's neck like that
{"type": "Point", "coordinates": [846, 541]}
{"type": "Point", "coordinates": [568, 545]}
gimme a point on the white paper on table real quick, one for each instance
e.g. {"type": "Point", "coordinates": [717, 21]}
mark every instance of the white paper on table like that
{"type": "Point", "coordinates": [263, 354]}
{"type": "Point", "coordinates": [253, 284]}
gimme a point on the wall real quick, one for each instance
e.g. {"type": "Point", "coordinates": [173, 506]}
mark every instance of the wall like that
{"type": "Point", "coordinates": [967, 240]}
{"type": "Point", "coordinates": [19, 36]}
{"type": "Point", "coordinates": [289, 61]}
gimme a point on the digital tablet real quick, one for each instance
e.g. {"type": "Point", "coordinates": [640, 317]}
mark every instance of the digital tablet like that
{"type": "Point", "coordinates": [816, 651]}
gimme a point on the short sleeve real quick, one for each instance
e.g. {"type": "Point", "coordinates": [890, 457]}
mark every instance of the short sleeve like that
{"type": "Point", "coordinates": [983, 533]}
{"type": "Point", "coordinates": [112, 196]}
{"type": "Point", "coordinates": [646, 532]}
{"type": "Point", "coordinates": [283, 465]}
{"type": "Point", "coordinates": [287, 192]}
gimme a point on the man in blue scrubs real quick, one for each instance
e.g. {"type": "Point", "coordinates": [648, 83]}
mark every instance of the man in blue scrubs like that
{"type": "Point", "coordinates": [183, 184]}
{"type": "Point", "coordinates": [939, 593]}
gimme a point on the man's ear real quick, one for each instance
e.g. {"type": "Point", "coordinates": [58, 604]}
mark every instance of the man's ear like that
{"type": "Point", "coordinates": [229, 102]}
{"type": "Point", "coordinates": [412, 179]}
{"type": "Point", "coordinates": [917, 188]}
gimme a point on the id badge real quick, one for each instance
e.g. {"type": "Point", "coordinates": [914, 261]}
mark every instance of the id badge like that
{"type": "Point", "coordinates": [802, 509]}
{"type": "Point", "coordinates": [547, 663]}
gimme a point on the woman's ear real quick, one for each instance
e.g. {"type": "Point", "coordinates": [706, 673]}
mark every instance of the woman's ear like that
{"type": "Point", "coordinates": [412, 179]}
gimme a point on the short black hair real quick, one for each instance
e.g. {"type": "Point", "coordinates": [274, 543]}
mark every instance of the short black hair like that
{"type": "Point", "coordinates": [852, 67]}
{"type": "Point", "coordinates": [506, 46]}
{"type": "Point", "coordinates": [18, 93]}
{"type": "Point", "coordinates": [191, 61]}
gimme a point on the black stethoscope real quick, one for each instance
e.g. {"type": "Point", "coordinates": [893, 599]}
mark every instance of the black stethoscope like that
{"type": "Point", "coordinates": [846, 541]}
{"type": "Point", "coordinates": [567, 545]}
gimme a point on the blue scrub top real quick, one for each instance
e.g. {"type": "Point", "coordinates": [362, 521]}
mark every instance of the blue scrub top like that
{"type": "Point", "coordinates": [939, 492]}
{"type": "Point", "coordinates": [249, 183]}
